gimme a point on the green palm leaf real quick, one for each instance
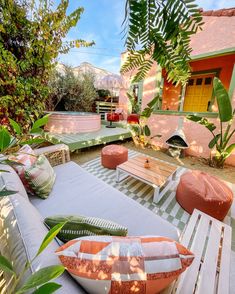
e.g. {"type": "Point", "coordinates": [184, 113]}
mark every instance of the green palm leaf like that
{"type": "Point", "coordinates": [161, 30]}
{"type": "Point", "coordinates": [223, 101]}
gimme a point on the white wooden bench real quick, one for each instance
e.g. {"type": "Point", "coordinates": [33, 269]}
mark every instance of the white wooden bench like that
{"type": "Point", "coordinates": [210, 241]}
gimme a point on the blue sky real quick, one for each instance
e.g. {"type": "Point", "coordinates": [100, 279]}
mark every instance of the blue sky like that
{"type": "Point", "coordinates": [101, 22]}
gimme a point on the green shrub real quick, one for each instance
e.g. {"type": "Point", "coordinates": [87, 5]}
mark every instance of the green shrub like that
{"type": "Point", "coordinates": [31, 34]}
{"type": "Point", "coordinates": [73, 92]}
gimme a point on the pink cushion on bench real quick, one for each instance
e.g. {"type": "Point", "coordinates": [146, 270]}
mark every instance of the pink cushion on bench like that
{"type": "Point", "coordinates": [113, 155]}
{"type": "Point", "coordinates": [199, 190]}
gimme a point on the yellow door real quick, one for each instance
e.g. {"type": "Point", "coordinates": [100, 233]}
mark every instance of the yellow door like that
{"type": "Point", "coordinates": [198, 93]}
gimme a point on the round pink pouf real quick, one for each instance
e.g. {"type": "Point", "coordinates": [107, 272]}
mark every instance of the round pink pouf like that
{"type": "Point", "coordinates": [113, 155]}
{"type": "Point", "coordinates": [202, 191]}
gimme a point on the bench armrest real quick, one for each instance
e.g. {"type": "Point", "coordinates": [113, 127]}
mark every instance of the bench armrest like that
{"type": "Point", "coordinates": [210, 241]}
{"type": "Point", "coordinates": [56, 154]}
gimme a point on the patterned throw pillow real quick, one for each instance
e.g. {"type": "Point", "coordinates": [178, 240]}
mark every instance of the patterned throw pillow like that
{"type": "Point", "coordinates": [41, 177]}
{"type": "Point", "coordinates": [143, 265]}
{"type": "Point", "coordinates": [26, 157]}
{"type": "Point", "coordinates": [79, 226]}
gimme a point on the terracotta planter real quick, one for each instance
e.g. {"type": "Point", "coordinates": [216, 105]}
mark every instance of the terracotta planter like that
{"type": "Point", "coordinates": [133, 118]}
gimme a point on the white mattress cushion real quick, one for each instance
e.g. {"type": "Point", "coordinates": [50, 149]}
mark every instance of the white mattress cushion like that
{"type": "Point", "coordinates": [12, 181]}
{"type": "Point", "coordinates": [77, 192]}
{"type": "Point", "coordinates": [22, 231]}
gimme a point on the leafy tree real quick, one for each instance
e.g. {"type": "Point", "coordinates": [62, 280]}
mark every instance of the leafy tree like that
{"type": "Point", "coordinates": [76, 93]}
{"type": "Point", "coordinates": [160, 30]}
{"type": "Point", "coordinates": [31, 37]}
{"type": "Point", "coordinates": [88, 93]}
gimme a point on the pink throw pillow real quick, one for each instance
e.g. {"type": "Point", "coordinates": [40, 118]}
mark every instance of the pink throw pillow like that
{"type": "Point", "coordinates": [27, 157]}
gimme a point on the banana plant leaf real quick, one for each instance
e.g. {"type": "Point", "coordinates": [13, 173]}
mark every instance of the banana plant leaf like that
{"type": "Point", "coordinates": [33, 141]}
{"type": "Point", "coordinates": [5, 192]}
{"type": "Point", "coordinates": [202, 121]}
{"type": "Point", "coordinates": [214, 141]}
{"type": "Point", "coordinates": [153, 102]}
{"type": "Point", "coordinates": [41, 277]}
{"type": "Point", "coordinates": [50, 236]}
{"type": "Point", "coordinates": [16, 127]}
{"type": "Point", "coordinates": [6, 265]}
{"type": "Point", "coordinates": [146, 113]}
{"type": "Point", "coordinates": [135, 129]}
{"type": "Point", "coordinates": [48, 288]}
{"type": "Point", "coordinates": [5, 139]}
{"type": "Point", "coordinates": [229, 149]}
{"type": "Point", "coordinates": [39, 123]}
{"type": "Point", "coordinates": [147, 131]}
{"type": "Point", "coordinates": [223, 101]}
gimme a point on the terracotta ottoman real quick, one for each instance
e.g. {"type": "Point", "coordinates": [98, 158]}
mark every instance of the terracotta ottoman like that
{"type": "Point", "coordinates": [199, 190]}
{"type": "Point", "coordinates": [113, 155]}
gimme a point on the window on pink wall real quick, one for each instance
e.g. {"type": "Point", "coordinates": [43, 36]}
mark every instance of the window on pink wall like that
{"type": "Point", "coordinates": [137, 90]}
{"type": "Point", "coordinates": [170, 96]}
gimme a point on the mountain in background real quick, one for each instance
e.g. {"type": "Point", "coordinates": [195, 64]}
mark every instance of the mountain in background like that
{"type": "Point", "coordinates": [86, 67]}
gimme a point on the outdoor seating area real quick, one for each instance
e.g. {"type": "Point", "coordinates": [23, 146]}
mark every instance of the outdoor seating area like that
{"type": "Point", "coordinates": [117, 175]}
{"type": "Point", "coordinates": [99, 199]}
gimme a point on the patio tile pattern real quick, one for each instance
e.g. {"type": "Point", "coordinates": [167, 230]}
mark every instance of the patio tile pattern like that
{"type": "Point", "coordinates": [168, 208]}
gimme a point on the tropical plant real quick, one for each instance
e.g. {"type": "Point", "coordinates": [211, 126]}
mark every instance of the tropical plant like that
{"type": "Point", "coordinates": [14, 139]}
{"type": "Point", "coordinates": [10, 142]}
{"type": "Point", "coordinates": [141, 133]}
{"type": "Point", "coordinates": [222, 137]}
{"type": "Point", "coordinates": [39, 281]}
{"type": "Point", "coordinates": [160, 30]}
{"type": "Point", "coordinates": [31, 38]}
{"type": "Point", "coordinates": [73, 92]}
{"type": "Point", "coordinates": [135, 106]}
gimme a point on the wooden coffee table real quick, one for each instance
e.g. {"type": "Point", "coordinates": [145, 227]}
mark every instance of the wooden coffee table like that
{"type": "Point", "coordinates": [156, 175]}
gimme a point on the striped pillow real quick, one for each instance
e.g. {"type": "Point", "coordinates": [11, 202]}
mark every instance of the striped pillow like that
{"type": "Point", "coordinates": [104, 264]}
{"type": "Point", "coordinates": [79, 226]}
{"type": "Point", "coordinates": [27, 157]}
{"type": "Point", "coordinates": [41, 177]}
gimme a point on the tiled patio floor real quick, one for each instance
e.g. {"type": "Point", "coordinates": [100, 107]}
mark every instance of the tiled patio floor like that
{"type": "Point", "coordinates": [168, 208]}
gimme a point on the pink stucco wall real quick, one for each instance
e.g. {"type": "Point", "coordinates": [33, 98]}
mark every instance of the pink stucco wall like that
{"type": "Point", "coordinates": [198, 136]}
{"type": "Point", "coordinates": [217, 34]}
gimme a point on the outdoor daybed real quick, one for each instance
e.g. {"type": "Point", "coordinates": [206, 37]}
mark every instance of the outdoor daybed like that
{"type": "Point", "coordinates": [76, 192]}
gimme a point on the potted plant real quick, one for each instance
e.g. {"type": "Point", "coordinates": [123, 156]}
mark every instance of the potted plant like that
{"type": "Point", "coordinates": [133, 117]}
{"type": "Point", "coordinates": [139, 125]}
